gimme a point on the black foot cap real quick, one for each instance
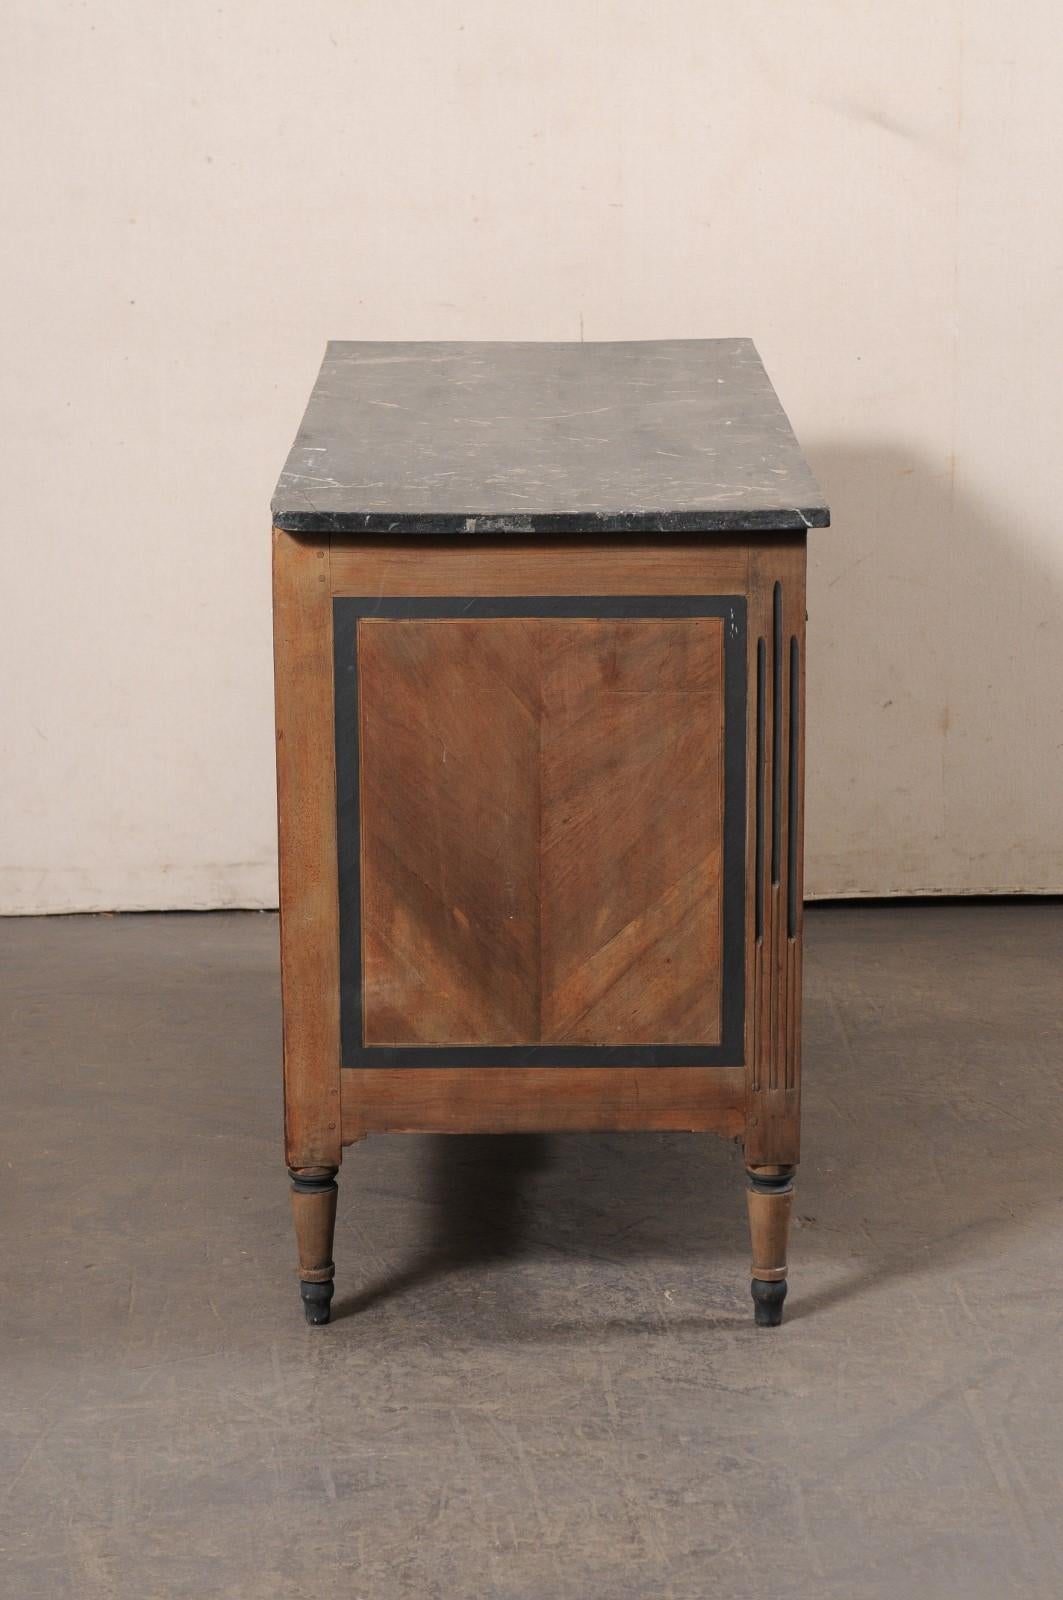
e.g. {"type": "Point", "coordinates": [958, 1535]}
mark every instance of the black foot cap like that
{"type": "Point", "coordinates": [767, 1302]}
{"type": "Point", "coordinates": [317, 1298]}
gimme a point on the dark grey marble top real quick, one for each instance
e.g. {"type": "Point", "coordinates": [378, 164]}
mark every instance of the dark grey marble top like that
{"type": "Point", "coordinates": [675, 436]}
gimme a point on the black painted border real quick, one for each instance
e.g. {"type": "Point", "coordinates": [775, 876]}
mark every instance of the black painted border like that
{"type": "Point", "coordinates": [347, 613]}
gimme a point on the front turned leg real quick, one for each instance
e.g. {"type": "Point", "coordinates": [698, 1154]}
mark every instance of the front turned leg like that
{"type": "Point", "coordinates": [769, 1197]}
{"type": "Point", "coordinates": [314, 1211]}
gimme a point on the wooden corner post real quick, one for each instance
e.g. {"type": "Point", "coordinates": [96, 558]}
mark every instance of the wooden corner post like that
{"type": "Point", "coordinates": [306, 807]}
{"type": "Point", "coordinates": [773, 1032]}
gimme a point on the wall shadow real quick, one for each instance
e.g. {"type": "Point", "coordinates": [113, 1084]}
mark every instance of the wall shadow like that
{"type": "Point", "coordinates": [935, 645]}
{"type": "Point", "coordinates": [933, 760]}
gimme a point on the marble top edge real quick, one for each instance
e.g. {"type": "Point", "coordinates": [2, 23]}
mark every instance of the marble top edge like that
{"type": "Point", "coordinates": [789, 520]}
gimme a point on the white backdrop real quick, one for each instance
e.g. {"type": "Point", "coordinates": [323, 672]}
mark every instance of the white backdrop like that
{"type": "Point", "coordinates": [198, 196]}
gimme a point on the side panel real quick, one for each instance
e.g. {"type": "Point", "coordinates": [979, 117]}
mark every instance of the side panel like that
{"type": "Point", "coordinates": [500, 1098]}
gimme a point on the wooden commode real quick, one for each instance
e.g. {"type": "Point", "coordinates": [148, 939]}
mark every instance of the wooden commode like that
{"type": "Point", "coordinates": [539, 627]}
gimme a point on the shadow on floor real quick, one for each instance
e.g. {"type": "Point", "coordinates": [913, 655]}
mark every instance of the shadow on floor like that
{"type": "Point", "coordinates": [477, 1195]}
{"type": "Point", "coordinates": [482, 1209]}
{"type": "Point", "coordinates": [931, 1133]}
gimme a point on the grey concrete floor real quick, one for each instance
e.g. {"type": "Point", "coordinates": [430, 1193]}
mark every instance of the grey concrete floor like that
{"type": "Point", "coordinates": [543, 1379]}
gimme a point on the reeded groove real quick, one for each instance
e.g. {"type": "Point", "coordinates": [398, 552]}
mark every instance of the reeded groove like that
{"type": "Point", "coordinates": [776, 735]}
{"type": "Point", "coordinates": [762, 685]}
{"type": "Point", "coordinates": [792, 776]}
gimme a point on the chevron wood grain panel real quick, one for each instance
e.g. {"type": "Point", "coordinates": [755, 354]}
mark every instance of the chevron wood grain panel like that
{"type": "Point", "coordinates": [449, 715]}
{"type": "Point", "coordinates": [542, 806]}
{"type": "Point", "coordinates": [632, 809]}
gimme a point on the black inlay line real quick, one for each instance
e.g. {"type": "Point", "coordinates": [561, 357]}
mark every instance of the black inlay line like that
{"type": "Point", "coordinates": [776, 734]}
{"type": "Point", "coordinates": [758, 887]}
{"type": "Point", "coordinates": [348, 612]}
{"type": "Point", "coordinates": [792, 776]}
{"type": "Point", "coordinates": [348, 819]}
{"type": "Point", "coordinates": [731, 607]}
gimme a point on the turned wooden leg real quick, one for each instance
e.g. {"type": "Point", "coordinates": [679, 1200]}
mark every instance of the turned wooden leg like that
{"type": "Point", "coordinates": [314, 1210]}
{"type": "Point", "coordinates": [769, 1197]}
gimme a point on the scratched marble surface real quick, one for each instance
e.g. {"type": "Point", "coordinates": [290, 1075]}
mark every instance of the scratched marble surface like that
{"type": "Point", "coordinates": [543, 1382]}
{"type": "Point", "coordinates": [675, 436]}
